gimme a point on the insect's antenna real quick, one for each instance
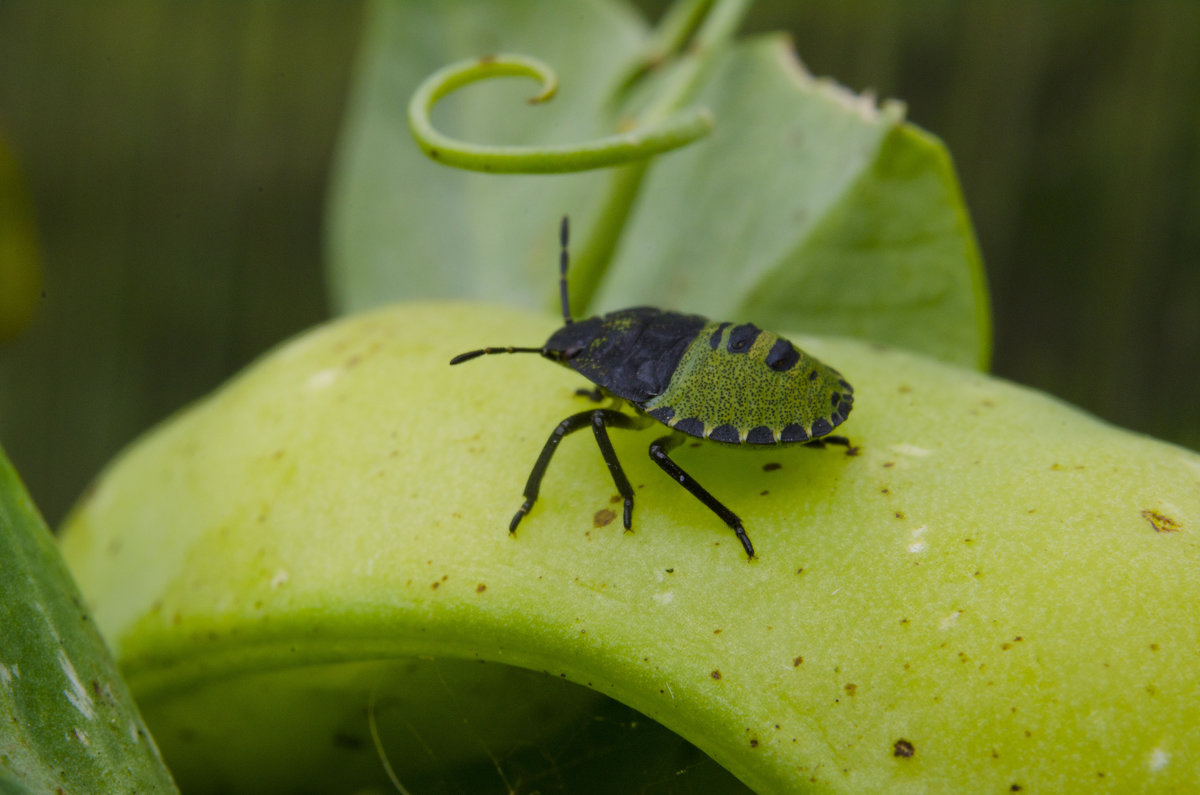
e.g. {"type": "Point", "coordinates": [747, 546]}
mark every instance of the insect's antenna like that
{"type": "Point", "coordinates": [469, 355]}
{"type": "Point", "coordinates": [564, 234]}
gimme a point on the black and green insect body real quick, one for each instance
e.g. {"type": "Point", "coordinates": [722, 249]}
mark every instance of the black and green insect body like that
{"type": "Point", "coordinates": [723, 382]}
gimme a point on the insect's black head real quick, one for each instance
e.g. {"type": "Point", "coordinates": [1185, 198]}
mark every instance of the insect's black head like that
{"type": "Point", "coordinates": [572, 339]}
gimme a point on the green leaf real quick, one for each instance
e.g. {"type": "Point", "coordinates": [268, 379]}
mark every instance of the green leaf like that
{"type": "Point", "coordinates": [807, 208]}
{"type": "Point", "coordinates": [403, 226]}
{"type": "Point", "coordinates": [997, 591]}
{"type": "Point", "coordinates": [67, 721]}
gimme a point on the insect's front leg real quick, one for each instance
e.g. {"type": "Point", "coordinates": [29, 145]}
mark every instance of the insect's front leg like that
{"type": "Point", "coordinates": [659, 450]}
{"type": "Point", "coordinates": [534, 484]}
{"type": "Point", "coordinates": [599, 419]}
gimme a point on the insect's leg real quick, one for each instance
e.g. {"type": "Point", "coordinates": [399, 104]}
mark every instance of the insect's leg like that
{"type": "Point", "coordinates": [594, 395]}
{"type": "Point", "coordinates": [601, 418]}
{"type": "Point", "coordinates": [838, 440]}
{"type": "Point", "coordinates": [658, 453]}
{"type": "Point", "coordinates": [569, 425]}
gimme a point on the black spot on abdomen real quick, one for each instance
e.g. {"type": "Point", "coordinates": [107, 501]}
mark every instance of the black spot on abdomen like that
{"type": "Point", "coordinates": [794, 433]}
{"type": "Point", "coordinates": [782, 356]}
{"type": "Point", "coordinates": [714, 341]}
{"type": "Point", "coordinates": [725, 433]}
{"type": "Point", "coordinates": [742, 337]}
{"type": "Point", "coordinates": [761, 434]}
{"type": "Point", "coordinates": [663, 414]}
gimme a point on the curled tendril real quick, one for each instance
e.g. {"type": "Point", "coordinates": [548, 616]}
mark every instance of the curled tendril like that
{"type": "Point", "coordinates": [614, 150]}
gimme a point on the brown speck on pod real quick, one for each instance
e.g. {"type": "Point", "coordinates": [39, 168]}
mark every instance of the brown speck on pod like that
{"type": "Point", "coordinates": [903, 749]}
{"type": "Point", "coordinates": [716, 674]}
{"type": "Point", "coordinates": [603, 517]}
{"type": "Point", "coordinates": [1161, 522]}
{"type": "Point", "coordinates": [772, 466]}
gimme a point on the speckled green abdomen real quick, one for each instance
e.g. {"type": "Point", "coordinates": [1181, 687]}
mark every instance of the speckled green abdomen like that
{"type": "Point", "coordinates": [739, 384]}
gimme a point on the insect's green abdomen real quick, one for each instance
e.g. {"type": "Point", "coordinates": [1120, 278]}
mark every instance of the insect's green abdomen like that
{"type": "Point", "coordinates": [739, 384]}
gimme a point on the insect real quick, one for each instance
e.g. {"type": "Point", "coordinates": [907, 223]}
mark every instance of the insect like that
{"type": "Point", "coordinates": [723, 382]}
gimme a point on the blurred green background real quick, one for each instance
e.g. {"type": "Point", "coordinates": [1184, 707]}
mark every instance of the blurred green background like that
{"type": "Point", "coordinates": [178, 154]}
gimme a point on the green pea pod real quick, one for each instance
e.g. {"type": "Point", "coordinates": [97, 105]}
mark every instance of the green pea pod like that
{"type": "Point", "coordinates": [997, 591]}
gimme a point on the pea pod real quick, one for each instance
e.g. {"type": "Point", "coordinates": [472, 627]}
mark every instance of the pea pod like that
{"type": "Point", "coordinates": [998, 591]}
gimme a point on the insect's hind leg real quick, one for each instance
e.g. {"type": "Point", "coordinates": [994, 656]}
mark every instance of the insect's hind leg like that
{"type": "Point", "coordinates": [659, 450]}
{"type": "Point", "coordinates": [598, 419]}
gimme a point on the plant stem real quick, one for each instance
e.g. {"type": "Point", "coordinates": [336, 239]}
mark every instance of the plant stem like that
{"type": "Point", "coordinates": [715, 23]}
{"type": "Point", "coordinates": [644, 141]}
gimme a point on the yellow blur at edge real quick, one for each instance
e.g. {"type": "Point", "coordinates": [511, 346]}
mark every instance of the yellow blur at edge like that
{"type": "Point", "coordinates": [20, 267]}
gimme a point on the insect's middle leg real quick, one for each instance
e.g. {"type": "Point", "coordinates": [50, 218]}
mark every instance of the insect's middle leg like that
{"type": "Point", "coordinates": [598, 419]}
{"type": "Point", "coordinates": [601, 418]}
{"type": "Point", "coordinates": [659, 450]}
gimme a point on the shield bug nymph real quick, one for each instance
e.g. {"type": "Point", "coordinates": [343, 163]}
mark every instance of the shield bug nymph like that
{"type": "Point", "coordinates": [728, 383]}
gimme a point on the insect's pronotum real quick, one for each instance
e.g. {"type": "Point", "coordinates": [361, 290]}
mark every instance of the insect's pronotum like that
{"type": "Point", "coordinates": [722, 382]}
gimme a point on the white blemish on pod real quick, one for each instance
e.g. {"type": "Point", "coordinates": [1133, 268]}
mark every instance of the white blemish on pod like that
{"type": "Point", "coordinates": [322, 378]}
{"type": "Point", "coordinates": [76, 693]}
{"type": "Point", "coordinates": [916, 544]}
{"type": "Point", "coordinates": [950, 620]}
{"type": "Point", "coordinates": [911, 450]}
